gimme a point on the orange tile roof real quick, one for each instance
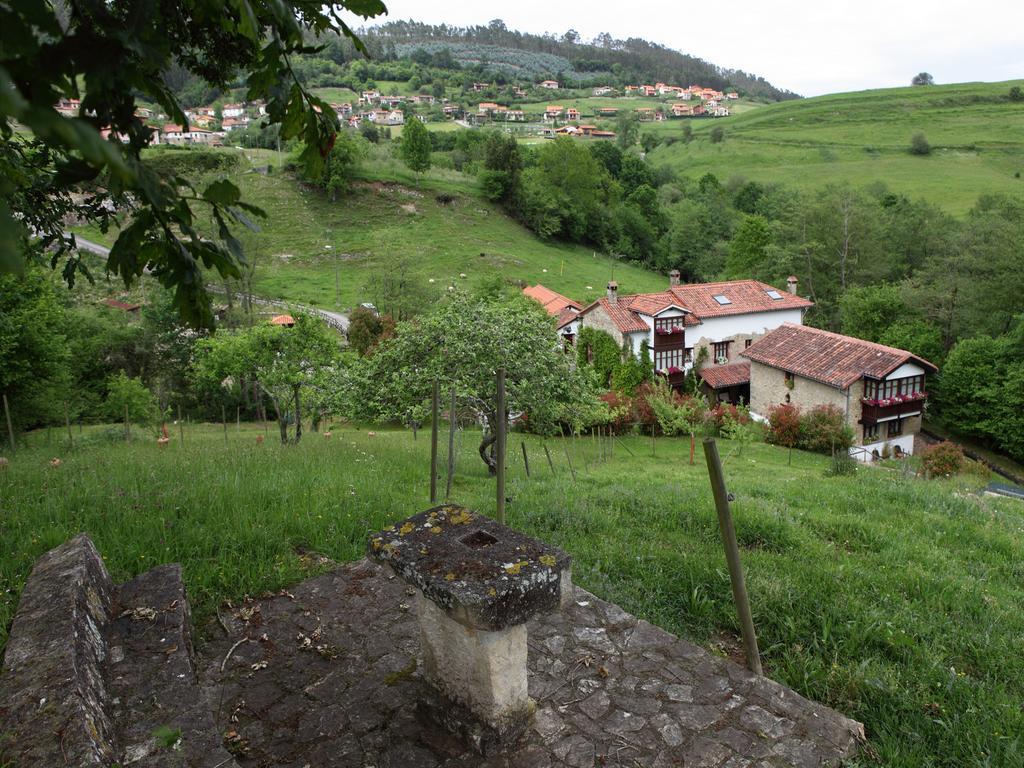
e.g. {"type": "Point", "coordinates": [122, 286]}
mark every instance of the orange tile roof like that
{"type": "Point", "coordinates": [552, 302]}
{"type": "Point", "coordinates": [744, 296]}
{"type": "Point", "coordinates": [829, 358]}
{"type": "Point", "coordinates": [722, 376]}
{"type": "Point", "coordinates": [625, 320]}
{"type": "Point", "coordinates": [566, 316]}
{"type": "Point", "coordinates": [282, 320]}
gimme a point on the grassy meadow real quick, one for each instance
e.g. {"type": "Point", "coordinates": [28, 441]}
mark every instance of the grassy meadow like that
{"type": "Point", "coordinates": [896, 600]}
{"type": "Point", "coordinates": [976, 134]}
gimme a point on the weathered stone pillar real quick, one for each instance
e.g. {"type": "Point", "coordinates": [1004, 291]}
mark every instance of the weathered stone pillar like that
{"type": "Point", "coordinates": [478, 584]}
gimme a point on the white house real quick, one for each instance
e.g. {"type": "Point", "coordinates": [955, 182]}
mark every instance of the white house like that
{"type": "Point", "coordinates": [176, 134]}
{"type": "Point", "coordinates": [549, 84]}
{"type": "Point", "coordinates": [706, 322]}
{"type": "Point", "coordinates": [233, 110]}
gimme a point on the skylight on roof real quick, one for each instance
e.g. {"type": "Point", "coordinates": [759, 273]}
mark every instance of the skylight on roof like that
{"type": "Point", "coordinates": [774, 295]}
{"type": "Point", "coordinates": [723, 300]}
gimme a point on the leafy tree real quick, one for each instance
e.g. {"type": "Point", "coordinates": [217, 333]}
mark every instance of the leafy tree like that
{"type": "Point", "coordinates": [415, 146]}
{"type": "Point", "coordinates": [464, 340]}
{"type": "Point", "coordinates": [627, 128]}
{"type": "Point", "coordinates": [366, 328]}
{"type": "Point", "coordinates": [967, 396]}
{"type": "Point", "coordinates": [1016, 94]}
{"type": "Point", "coordinates": [748, 249]}
{"type": "Point", "coordinates": [608, 155]}
{"type": "Point", "coordinates": [922, 78]}
{"type": "Point", "coordinates": [369, 131]}
{"type": "Point", "coordinates": [129, 397]}
{"type": "Point", "coordinates": [717, 135]}
{"type": "Point", "coordinates": [119, 53]}
{"type": "Point", "coordinates": [919, 145]}
{"type": "Point", "coordinates": [687, 131]}
{"type": "Point", "coordinates": [33, 348]}
{"type": "Point", "coordinates": [343, 158]}
{"type": "Point", "coordinates": [503, 164]}
{"type": "Point", "coordinates": [564, 192]}
{"type": "Point", "coordinates": [283, 361]}
{"type": "Point", "coordinates": [649, 141]}
{"type": "Point", "coordinates": [867, 311]}
{"type": "Point", "coordinates": [915, 336]}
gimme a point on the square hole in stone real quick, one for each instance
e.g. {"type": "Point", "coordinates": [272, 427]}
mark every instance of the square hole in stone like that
{"type": "Point", "coordinates": [478, 540]}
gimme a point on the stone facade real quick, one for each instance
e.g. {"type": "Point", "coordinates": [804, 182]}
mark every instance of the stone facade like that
{"type": "Point", "coordinates": [598, 319]}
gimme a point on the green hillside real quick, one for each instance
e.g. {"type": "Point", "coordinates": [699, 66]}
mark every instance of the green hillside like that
{"type": "Point", "coordinates": [975, 130]}
{"type": "Point", "coordinates": [392, 221]}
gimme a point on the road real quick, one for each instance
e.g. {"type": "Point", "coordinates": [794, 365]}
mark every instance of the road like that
{"type": "Point", "coordinates": [336, 320]}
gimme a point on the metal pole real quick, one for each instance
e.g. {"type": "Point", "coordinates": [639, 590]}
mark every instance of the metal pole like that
{"type": "Point", "coordinates": [501, 423]}
{"type": "Point", "coordinates": [526, 461]}
{"type": "Point", "coordinates": [181, 426]}
{"type": "Point", "coordinates": [435, 416]}
{"type": "Point", "coordinates": [732, 554]}
{"type": "Point", "coordinates": [451, 446]}
{"type": "Point", "coordinates": [67, 423]}
{"type": "Point", "coordinates": [551, 464]}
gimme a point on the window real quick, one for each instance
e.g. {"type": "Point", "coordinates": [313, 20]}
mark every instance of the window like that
{"type": "Point", "coordinates": [668, 325]}
{"type": "Point", "coordinates": [665, 359]}
{"type": "Point", "coordinates": [723, 300]}
{"type": "Point", "coordinates": [870, 433]}
{"type": "Point", "coordinates": [774, 295]}
{"type": "Point", "coordinates": [689, 354]}
{"type": "Point", "coordinates": [721, 351]}
{"type": "Point", "coordinates": [895, 427]}
{"type": "Point", "coordinates": [747, 343]}
{"type": "Point", "coordinates": [789, 379]}
{"type": "Point", "coordinates": [882, 390]}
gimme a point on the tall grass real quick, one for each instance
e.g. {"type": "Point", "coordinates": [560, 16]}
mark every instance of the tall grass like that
{"type": "Point", "coordinates": [896, 600]}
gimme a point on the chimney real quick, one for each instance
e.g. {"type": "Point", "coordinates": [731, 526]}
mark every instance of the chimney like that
{"type": "Point", "coordinates": [613, 292]}
{"type": "Point", "coordinates": [673, 278]}
{"type": "Point", "coordinates": [791, 283]}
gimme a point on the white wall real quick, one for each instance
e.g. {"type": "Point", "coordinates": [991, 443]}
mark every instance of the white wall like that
{"type": "Point", "coordinates": [722, 328]}
{"type": "Point", "coordinates": [907, 369]}
{"type": "Point", "coordinates": [905, 442]}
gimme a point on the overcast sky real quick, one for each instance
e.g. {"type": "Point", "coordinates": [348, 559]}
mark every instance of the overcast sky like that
{"type": "Point", "coordinates": [808, 46]}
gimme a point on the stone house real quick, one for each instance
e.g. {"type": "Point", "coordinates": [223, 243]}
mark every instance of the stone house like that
{"type": "Point", "coordinates": [881, 390]}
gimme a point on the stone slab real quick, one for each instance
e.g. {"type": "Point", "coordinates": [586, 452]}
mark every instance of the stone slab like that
{"type": "Point", "coordinates": [330, 677]}
{"type": "Point", "coordinates": [483, 574]}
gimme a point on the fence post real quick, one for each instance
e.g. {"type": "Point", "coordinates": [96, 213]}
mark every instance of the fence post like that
{"type": "Point", "coordinates": [127, 433]}
{"type": "Point", "coordinates": [181, 426]}
{"type": "Point", "coordinates": [691, 448]}
{"type": "Point", "coordinates": [568, 459]}
{"type": "Point", "coordinates": [435, 416]}
{"type": "Point", "coordinates": [732, 554]}
{"type": "Point", "coordinates": [451, 447]}
{"type": "Point", "coordinates": [10, 426]}
{"type": "Point", "coordinates": [67, 423]}
{"type": "Point", "coordinates": [551, 464]}
{"type": "Point", "coordinates": [526, 461]}
{"type": "Point", "coordinates": [500, 447]}
{"type": "Point", "coordinates": [238, 419]}
{"type": "Point", "coordinates": [224, 421]}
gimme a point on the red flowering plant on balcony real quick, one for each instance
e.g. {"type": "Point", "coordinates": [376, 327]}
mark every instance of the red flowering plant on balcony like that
{"type": "Point", "coordinates": [669, 331]}
{"type": "Point", "coordinates": [909, 397]}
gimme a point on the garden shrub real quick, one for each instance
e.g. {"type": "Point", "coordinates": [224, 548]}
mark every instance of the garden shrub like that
{"type": "Point", "coordinates": [823, 429]}
{"type": "Point", "coordinates": [784, 425]}
{"type": "Point", "coordinates": [942, 459]}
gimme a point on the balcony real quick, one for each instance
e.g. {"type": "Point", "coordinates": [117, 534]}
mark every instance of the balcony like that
{"type": "Point", "coordinates": [669, 339]}
{"type": "Point", "coordinates": [873, 411]}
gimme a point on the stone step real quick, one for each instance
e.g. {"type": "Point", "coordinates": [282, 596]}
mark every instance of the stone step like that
{"type": "Point", "coordinates": [96, 674]}
{"type": "Point", "coordinates": [161, 717]}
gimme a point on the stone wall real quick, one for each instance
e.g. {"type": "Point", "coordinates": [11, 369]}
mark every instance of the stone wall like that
{"type": "Point", "coordinates": [598, 318]}
{"type": "Point", "coordinates": [768, 388]}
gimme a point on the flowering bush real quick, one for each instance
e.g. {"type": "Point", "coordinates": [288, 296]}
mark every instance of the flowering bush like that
{"type": "Point", "coordinates": [942, 459]}
{"type": "Point", "coordinates": [784, 425]}
{"type": "Point", "coordinates": [725, 414]}
{"type": "Point", "coordinates": [909, 397]}
{"type": "Point", "coordinates": [621, 411]}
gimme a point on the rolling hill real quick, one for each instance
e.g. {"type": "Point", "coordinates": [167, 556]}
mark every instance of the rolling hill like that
{"type": "Point", "coordinates": [976, 132]}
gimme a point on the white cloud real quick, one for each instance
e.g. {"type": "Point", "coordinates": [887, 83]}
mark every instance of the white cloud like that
{"type": "Point", "coordinates": [808, 46]}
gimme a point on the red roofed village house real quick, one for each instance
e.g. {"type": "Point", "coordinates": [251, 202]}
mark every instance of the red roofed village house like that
{"type": "Point", "coordinates": [562, 308]}
{"type": "Point", "coordinates": [881, 390]}
{"type": "Point", "coordinates": [676, 324]}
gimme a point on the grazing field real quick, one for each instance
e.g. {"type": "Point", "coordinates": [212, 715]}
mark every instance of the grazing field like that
{"type": "Point", "coordinates": [392, 221]}
{"type": "Point", "coordinates": [896, 600]}
{"type": "Point", "coordinates": [976, 133]}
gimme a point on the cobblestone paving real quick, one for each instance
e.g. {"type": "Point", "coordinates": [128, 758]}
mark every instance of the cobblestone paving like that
{"type": "Point", "coordinates": [326, 676]}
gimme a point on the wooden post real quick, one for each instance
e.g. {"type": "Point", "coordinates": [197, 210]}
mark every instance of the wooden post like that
{"type": "Point", "coordinates": [551, 464]}
{"type": "Point", "coordinates": [224, 421]}
{"type": "Point", "coordinates": [732, 554]}
{"type": "Point", "coordinates": [691, 448]}
{"type": "Point", "coordinates": [126, 428]}
{"type": "Point", "coordinates": [238, 419]}
{"type": "Point", "coordinates": [568, 459]}
{"type": "Point", "coordinates": [181, 426]}
{"type": "Point", "coordinates": [654, 427]}
{"type": "Point", "coordinates": [451, 447]}
{"type": "Point", "coordinates": [67, 423]}
{"type": "Point", "coordinates": [526, 461]}
{"type": "Point", "coordinates": [501, 420]}
{"type": "Point", "coordinates": [435, 417]}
